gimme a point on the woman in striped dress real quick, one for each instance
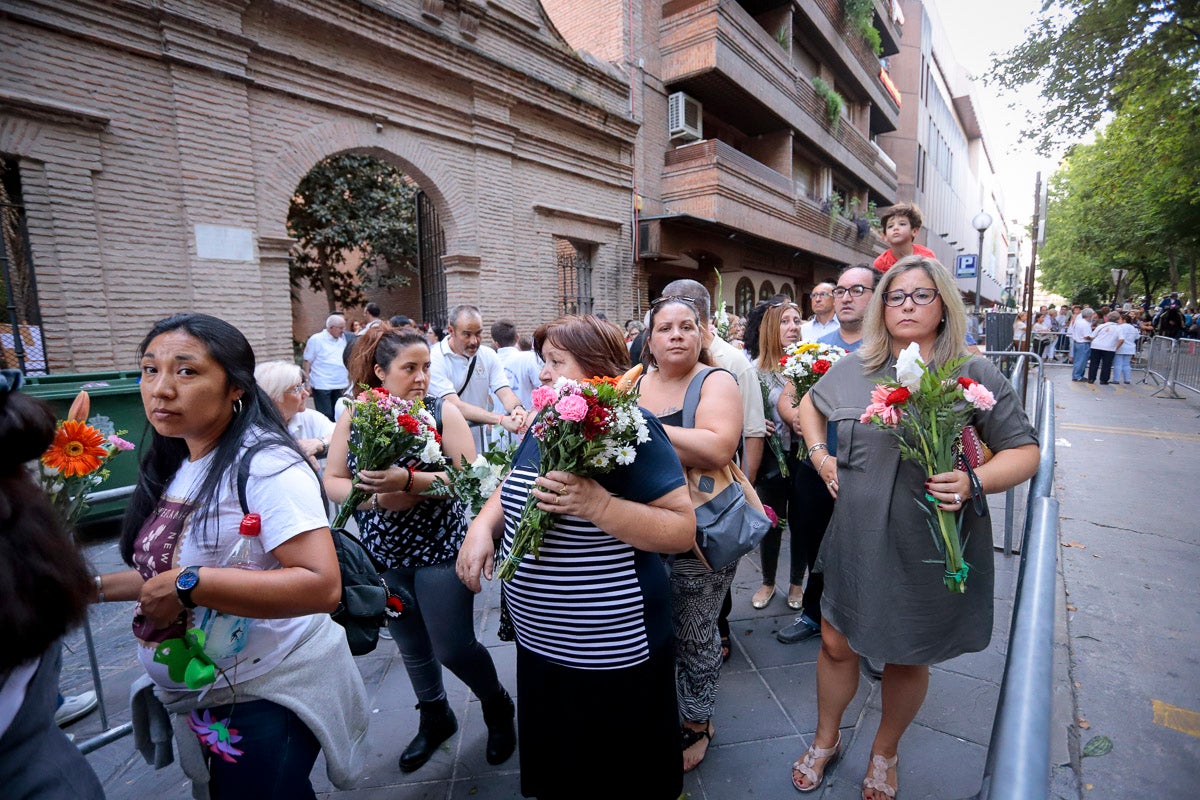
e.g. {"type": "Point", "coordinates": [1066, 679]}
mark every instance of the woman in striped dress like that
{"type": "Point", "coordinates": [595, 668]}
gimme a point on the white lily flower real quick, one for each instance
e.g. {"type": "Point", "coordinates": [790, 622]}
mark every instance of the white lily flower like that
{"type": "Point", "coordinates": [910, 367]}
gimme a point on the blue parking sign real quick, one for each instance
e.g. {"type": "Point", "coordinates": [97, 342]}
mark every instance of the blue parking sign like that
{"type": "Point", "coordinates": [964, 266]}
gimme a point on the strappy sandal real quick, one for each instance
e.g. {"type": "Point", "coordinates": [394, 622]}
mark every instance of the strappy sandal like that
{"type": "Point", "coordinates": [689, 737]}
{"type": "Point", "coordinates": [876, 779]}
{"type": "Point", "coordinates": [726, 649]}
{"type": "Point", "coordinates": [807, 765]}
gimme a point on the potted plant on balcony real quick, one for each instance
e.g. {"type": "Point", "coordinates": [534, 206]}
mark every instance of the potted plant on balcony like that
{"type": "Point", "coordinates": [833, 103]}
{"type": "Point", "coordinates": [834, 207]}
{"type": "Point", "coordinates": [860, 18]}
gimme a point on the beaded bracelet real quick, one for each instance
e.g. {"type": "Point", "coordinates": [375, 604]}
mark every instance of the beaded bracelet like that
{"type": "Point", "coordinates": [408, 485]}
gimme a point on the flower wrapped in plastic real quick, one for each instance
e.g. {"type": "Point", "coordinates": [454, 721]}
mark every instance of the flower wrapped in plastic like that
{"type": "Point", "coordinates": [926, 410]}
{"type": "Point", "coordinates": [475, 481]}
{"type": "Point", "coordinates": [586, 428]}
{"type": "Point", "coordinates": [77, 460]}
{"type": "Point", "coordinates": [385, 429]}
{"type": "Point", "coordinates": [803, 364]}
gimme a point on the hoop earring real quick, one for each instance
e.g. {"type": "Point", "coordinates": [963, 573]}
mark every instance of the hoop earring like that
{"type": "Point", "coordinates": [237, 407]}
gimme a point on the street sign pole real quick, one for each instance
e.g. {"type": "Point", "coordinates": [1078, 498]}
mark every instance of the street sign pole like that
{"type": "Point", "coordinates": [1038, 238]}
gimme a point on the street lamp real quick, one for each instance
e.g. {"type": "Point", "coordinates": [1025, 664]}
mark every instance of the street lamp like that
{"type": "Point", "coordinates": [981, 223]}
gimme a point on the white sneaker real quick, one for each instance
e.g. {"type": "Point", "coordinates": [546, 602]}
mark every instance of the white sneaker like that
{"type": "Point", "coordinates": [74, 707]}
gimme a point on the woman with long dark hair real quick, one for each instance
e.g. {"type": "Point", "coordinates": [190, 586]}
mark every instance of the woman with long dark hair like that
{"type": "Point", "coordinates": [274, 668]}
{"type": "Point", "coordinates": [44, 591]}
{"type": "Point", "coordinates": [416, 537]}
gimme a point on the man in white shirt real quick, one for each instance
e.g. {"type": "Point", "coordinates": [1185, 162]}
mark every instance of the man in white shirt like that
{"type": "Point", "coordinates": [374, 317]}
{"type": "Point", "coordinates": [465, 372]}
{"type": "Point", "coordinates": [824, 319]}
{"type": "Point", "coordinates": [1080, 331]}
{"type": "Point", "coordinates": [325, 366]}
{"type": "Point", "coordinates": [521, 367]}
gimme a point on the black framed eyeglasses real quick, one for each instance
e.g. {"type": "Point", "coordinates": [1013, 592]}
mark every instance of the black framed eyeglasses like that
{"type": "Point", "coordinates": [921, 297]}
{"type": "Point", "coordinates": [856, 290]}
{"type": "Point", "coordinates": [680, 297]}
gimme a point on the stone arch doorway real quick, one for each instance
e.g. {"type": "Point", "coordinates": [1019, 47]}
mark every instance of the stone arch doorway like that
{"type": "Point", "coordinates": [362, 228]}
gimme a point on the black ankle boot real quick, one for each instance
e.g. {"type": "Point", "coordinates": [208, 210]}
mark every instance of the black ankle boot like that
{"type": "Point", "coordinates": [498, 713]}
{"type": "Point", "coordinates": [437, 725]}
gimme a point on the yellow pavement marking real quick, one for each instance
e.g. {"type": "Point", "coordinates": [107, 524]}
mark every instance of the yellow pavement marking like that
{"type": "Point", "coordinates": [1116, 431]}
{"type": "Point", "coordinates": [1176, 718]}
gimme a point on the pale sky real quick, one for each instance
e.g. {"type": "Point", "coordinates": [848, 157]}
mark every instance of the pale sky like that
{"type": "Point", "coordinates": [978, 29]}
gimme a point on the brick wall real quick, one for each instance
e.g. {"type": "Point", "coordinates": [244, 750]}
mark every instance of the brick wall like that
{"type": "Point", "coordinates": [131, 128]}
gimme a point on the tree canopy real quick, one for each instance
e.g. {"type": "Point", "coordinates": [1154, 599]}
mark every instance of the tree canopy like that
{"type": "Point", "coordinates": [1130, 200]}
{"type": "Point", "coordinates": [349, 206]}
{"type": "Point", "coordinates": [1091, 57]}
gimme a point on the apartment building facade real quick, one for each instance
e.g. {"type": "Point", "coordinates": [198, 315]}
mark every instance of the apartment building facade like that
{"type": "Point", "coordinates": [943, 157]}
{"type": "Point", "coordinates": [742, 167]}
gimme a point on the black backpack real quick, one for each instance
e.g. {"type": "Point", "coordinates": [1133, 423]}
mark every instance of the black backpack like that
{"type": "Point", "coordinates": [361, 610]}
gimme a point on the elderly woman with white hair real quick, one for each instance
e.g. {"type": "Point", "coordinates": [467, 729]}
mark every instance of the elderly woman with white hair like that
{"type": "Point", "coordinates": [287, 386]}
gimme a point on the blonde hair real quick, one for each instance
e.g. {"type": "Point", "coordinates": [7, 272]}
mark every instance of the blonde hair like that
{"type": "Point", "coordinates": [276, 377]}
{"type": "Point", "coordinates": [876, 349]}
{"type": "Point", "coordinates": [770, 344]}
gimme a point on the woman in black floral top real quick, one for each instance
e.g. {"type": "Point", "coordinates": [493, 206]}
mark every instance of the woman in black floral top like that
{"type": "Point", "coordinates": [416, 539]}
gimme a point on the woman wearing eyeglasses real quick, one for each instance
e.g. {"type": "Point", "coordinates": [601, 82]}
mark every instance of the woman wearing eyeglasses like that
{"type": "Point", "coordinates": [884, 597]}
{"type": "Point", "coordinates": [287, 386]}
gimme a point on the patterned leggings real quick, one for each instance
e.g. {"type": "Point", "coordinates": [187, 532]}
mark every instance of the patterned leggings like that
{"type": "Point", "coordinates": [696, 596]}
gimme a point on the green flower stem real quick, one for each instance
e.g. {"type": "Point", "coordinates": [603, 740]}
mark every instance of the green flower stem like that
{"type": "Point", "coordinates": [356, 498]}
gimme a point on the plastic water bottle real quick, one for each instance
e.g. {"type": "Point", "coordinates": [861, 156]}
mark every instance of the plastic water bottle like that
{"type": "Point", "coordinates": [225, 634]}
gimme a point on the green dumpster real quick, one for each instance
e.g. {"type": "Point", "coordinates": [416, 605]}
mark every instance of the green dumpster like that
{"type": "Point", "coordinates": [115, 395]}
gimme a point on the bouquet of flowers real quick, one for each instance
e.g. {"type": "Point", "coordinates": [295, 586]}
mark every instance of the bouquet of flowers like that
{"type": "Point", "coordinates": [474, 482]}
{"type": "Point", "coordinates": [77, 460]}
{"type": "Point", "coordinates": [926, 411]}
{"type": "Point", "coordinates": [387, 427]}
{"type": "Point", "coordinates": [587, 428]}
{"type": "Point", "coordinates": [803, 364]}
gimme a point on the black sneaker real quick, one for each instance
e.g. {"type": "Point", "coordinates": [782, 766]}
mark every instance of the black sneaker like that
{"type": "Point", "coordinates": [803, 628]}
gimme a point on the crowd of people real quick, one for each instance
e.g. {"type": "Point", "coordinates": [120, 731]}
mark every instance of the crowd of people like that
{"type": "Point", "coordinates": [619, 627]}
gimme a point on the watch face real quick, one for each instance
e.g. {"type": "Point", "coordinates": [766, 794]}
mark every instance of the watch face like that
{"type": "Point", "coordinates": [187, 580]}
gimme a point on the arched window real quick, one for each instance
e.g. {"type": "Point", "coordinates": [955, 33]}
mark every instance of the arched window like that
{"type": "Point", "coordinates": [766, 291]}
{"type": "Point", "coordinates": [789, 291]}
{"type": "Point", "coordinates": [743, 297]}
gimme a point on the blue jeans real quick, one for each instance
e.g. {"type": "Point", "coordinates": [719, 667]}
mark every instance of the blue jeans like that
{"type": "Point", "coordinates": [278, 753]}
{"type": "Point", "coordinates": [1121, 367]}
{"type": "Point", "coordinates": [1079, 355]}
{"type": "Point", "coordinates": [324, 400]}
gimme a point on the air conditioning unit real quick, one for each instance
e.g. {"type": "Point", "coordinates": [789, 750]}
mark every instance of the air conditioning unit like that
{"type": "Point", "coordinates": [684, 118]}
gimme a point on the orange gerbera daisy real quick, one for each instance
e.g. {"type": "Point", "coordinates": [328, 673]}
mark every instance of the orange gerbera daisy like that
{"type": "Point", "coordinates": [77, 449]}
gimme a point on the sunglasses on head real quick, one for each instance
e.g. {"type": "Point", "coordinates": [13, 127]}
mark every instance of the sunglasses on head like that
{"type": "Point", "coordinates": [679, 297]}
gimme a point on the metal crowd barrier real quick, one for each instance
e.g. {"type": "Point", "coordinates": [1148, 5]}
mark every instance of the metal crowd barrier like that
{"type": "Point", "coordinates": [1018, 760]}
{"type": "Point", "coordinates": [1019, 378]}
{"type": "Point", "coordinates": [1176, 364]}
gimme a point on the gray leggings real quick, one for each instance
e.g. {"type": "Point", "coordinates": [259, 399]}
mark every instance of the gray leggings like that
{"type": "Point", "coordinates": [440, 630]}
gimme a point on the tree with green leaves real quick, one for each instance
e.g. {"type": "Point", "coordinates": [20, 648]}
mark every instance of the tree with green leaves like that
{"type": "Point", "coordinates": [1131, 199]}
{"type": "Point", "coordinates": [353, 206]}
{"type": "Point", "coordinates": [1091, 56]}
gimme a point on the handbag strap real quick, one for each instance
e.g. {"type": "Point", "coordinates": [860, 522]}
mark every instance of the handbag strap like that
{"type": "Point", "coordinates": [691, 402]}
{"type": "Point", "coordinates": [470, 372]}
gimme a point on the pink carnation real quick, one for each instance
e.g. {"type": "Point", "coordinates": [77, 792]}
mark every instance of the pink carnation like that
{"type": "Point", "coordinates": [542, 397]}
{"type": "Point", "coordinates": [980, 396]}
{"type": "Point", "coordinates": [879, 394]}
{"type": "Point", "coordinates": [572, 408]}
{"type": "Point", "coordinates": [888, 415]}
{"type": "Point", "coordinates": [119, 443]}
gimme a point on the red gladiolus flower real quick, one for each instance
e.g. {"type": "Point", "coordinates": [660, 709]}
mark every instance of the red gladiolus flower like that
{"type": "Point", "coordinates": [821, 366]}
{"type": "Point", "coordinates": [898, 397]}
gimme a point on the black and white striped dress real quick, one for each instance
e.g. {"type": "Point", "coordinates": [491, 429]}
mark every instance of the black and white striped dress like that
{"type": "Point", "coordinates": [589, 600]}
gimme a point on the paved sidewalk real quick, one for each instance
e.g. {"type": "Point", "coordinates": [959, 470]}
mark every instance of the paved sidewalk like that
{"type": "Point", "coordinates": [765, 717]}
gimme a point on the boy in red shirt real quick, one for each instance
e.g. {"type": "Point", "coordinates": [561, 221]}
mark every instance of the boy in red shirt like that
{"type": "Point", "coordinates": [901, 223]}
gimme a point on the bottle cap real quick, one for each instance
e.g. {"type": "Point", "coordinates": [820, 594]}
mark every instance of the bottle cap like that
{"type": "Point", "coordinates": [251, 525]}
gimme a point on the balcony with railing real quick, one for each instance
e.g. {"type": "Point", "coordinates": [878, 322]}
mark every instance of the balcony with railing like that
{"type": "Point", "coordinates": [713, 181]}
{"type": "Point", "coordinates": [828, 19]}
{"type": "Point", "coordinates": [716, 52]}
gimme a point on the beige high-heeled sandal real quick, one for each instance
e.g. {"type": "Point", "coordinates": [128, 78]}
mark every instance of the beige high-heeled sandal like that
{"type": "Point", "coordinates": [807, 765]}
{"type": "Point", "coordinates": [876, 779]}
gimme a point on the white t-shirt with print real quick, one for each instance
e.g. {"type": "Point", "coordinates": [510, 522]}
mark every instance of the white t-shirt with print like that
{"type": "Point", "coordinates": [284, 492]}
